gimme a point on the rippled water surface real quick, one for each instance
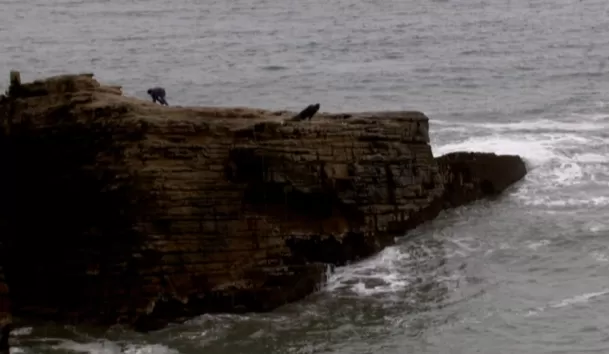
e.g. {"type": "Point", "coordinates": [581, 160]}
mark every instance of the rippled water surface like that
{"type": "Point", "coordinates": [526, 273]}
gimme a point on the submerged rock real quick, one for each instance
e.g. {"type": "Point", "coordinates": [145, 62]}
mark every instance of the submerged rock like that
{"type": "Point", "coordinates": [118, 210]}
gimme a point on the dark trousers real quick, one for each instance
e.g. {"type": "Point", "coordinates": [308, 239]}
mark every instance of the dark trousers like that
{"type": "Point", "coordinates": [161, 101]}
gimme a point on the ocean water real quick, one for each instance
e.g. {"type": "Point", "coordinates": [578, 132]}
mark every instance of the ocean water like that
{"type": "Point", "coordinates": [526, 273]}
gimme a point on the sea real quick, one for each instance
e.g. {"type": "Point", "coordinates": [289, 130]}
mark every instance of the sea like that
{"type": "Point", "coordinates": [524, 273]}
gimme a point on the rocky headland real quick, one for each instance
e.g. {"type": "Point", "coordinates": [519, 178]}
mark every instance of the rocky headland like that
{"type": "Point", "coordinates": [118, 210]}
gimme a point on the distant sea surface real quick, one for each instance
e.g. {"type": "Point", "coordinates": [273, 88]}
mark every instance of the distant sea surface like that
{"type": "Point", "coordinates": [527, 273]}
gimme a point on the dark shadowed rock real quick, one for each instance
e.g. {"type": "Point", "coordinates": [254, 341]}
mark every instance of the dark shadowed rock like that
{"type": "Point", "coordinates": [469, 176]}
{"type": "Point", "coordinates": [5, 312]}
{"type": "Point", "coordinates": [132, 213]}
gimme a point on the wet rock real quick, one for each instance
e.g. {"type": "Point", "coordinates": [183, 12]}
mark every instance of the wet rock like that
{"type": "Point", "coordinates": [119, 210]}
{"type": "Point", "coordinates": [470, 176]}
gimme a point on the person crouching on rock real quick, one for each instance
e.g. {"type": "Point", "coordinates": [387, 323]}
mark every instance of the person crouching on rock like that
{"type": "Point", "coordinates": [158, 94]}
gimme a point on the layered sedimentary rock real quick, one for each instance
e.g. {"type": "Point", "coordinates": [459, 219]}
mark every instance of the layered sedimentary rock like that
{"type": "Point", "coordinates": [120, 210]}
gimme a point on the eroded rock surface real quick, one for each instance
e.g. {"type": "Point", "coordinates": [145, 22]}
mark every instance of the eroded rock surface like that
{"type": "Point", "coordinates": [469, 176]}
{"type": "Point", "coordinates": [120, 210]}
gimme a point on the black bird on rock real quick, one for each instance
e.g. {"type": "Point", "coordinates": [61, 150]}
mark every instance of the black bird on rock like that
{"type": "Point", "coordinates": [307, 113]}
{"type": "Point", "coordinates": [158, 94]}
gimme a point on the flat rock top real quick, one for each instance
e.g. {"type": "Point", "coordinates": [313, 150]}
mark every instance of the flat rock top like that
{"type": "Point", "coordinates": [86, 87]}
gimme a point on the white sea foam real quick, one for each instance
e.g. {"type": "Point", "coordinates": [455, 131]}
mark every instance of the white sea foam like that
{"type": "Point", "coordinates": [531, 149]}
{"type": "Point", "coordinates": [597, 226]}
{"type": "Point", "coordinates": [573, 300]}
{"type": "Point", "coordinates": [562, 156]}
{"type": "Point", "coordinates": [385, 270]}
{"type": "Point", "coordinates": [599, 256]}
{"type": "Point", "coordinates": [566, 159]}
{"type": "Point", "coordinates": [148, 349]}
{"type": "Point", "coordinates": [22, 331]}
{"type": "Point", "coordinates": [109, 347]}
{"type": "Point", "coordinates": [591, 158]}
{"type": "Point", "coordinates": [397, 268]}
{"type": "Point", "coordinates": [578, 299]}
{"type": "Point", "coordinates": [536, 245]}
{"type": "Point", "coordinates": [97, 347]}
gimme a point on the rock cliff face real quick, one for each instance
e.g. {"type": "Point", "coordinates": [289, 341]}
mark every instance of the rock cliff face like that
{"type": "Point", "coordinates": [119, 210]}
